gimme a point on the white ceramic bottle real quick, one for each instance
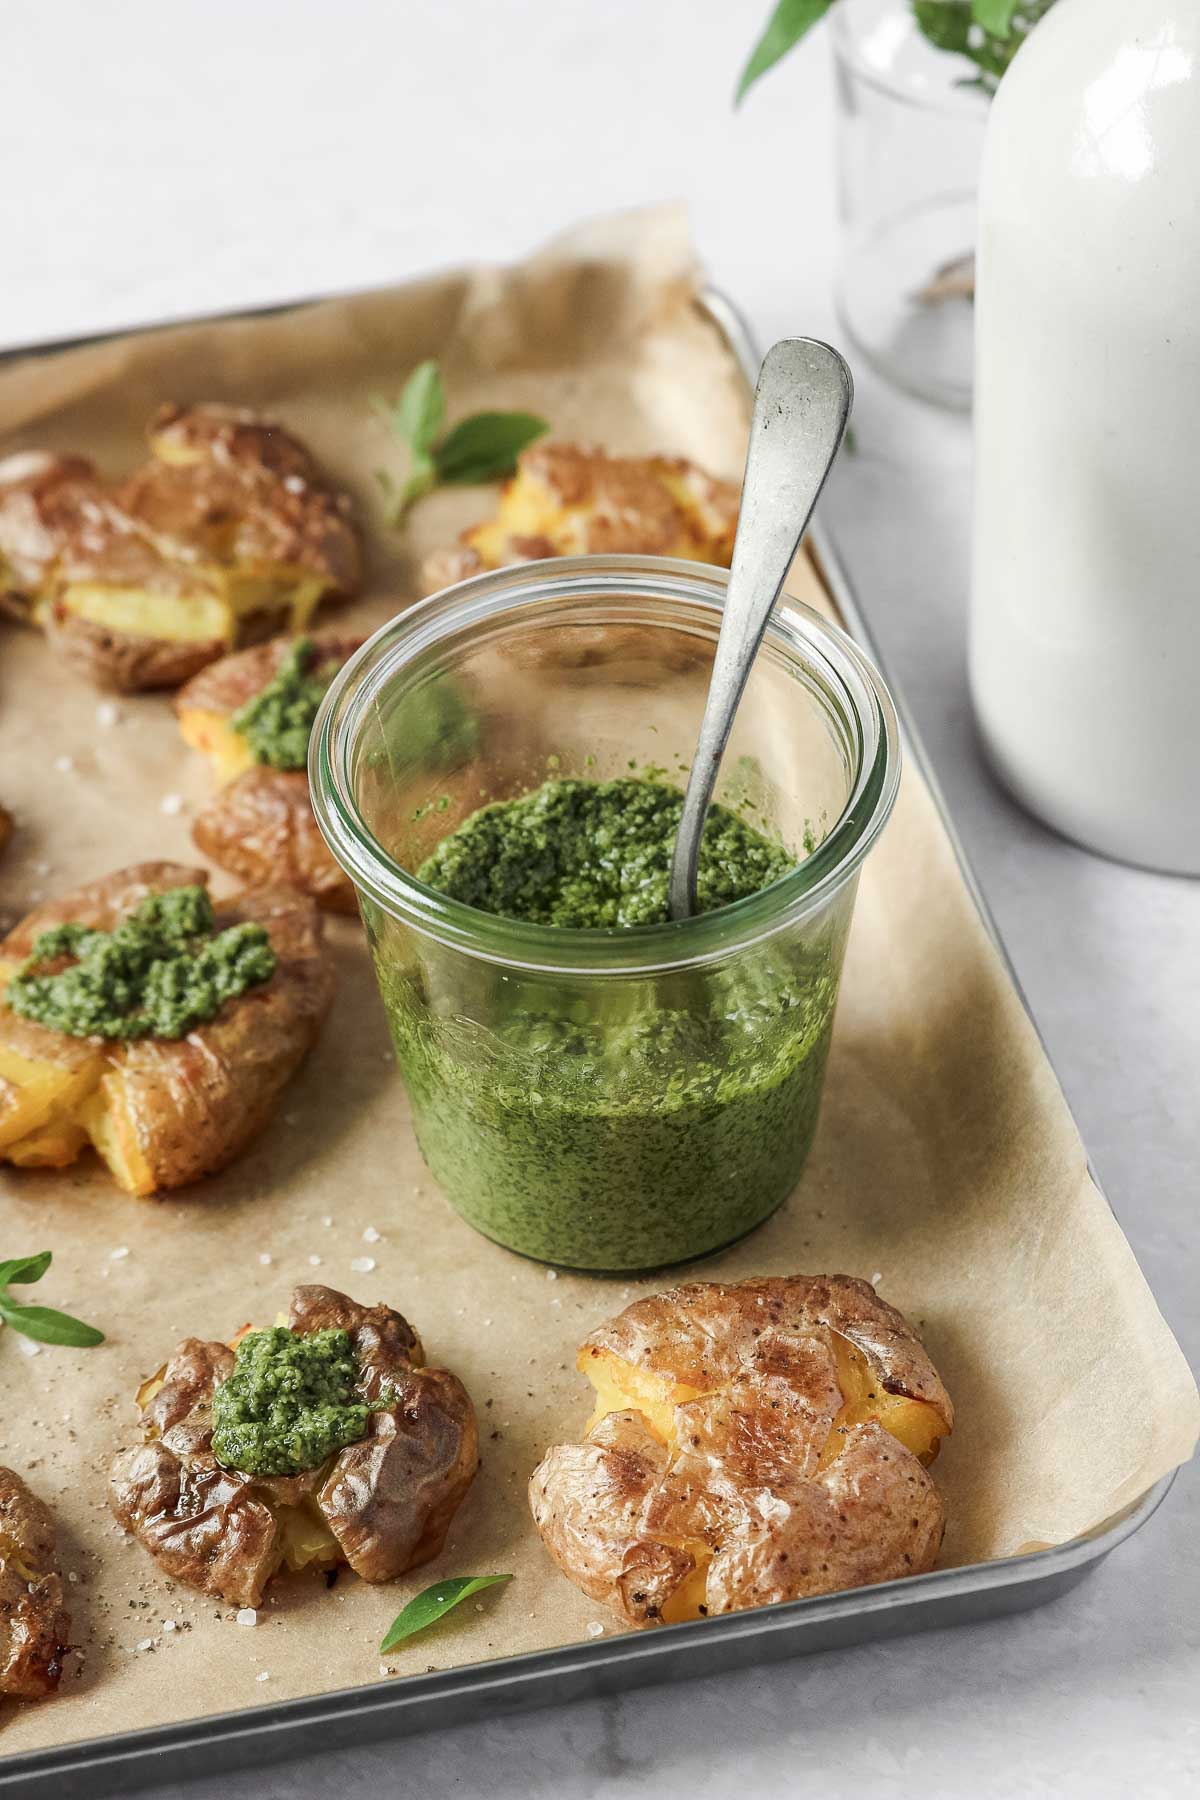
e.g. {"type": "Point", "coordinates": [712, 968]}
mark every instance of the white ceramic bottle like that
{"type": "Point", "coordinates": [1085, 617]}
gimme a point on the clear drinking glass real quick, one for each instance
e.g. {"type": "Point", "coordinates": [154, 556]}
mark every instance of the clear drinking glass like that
{"type": "Point", "coordinates": [910, 139]}
{"type": "Point", "coordinates": [625, 1098]}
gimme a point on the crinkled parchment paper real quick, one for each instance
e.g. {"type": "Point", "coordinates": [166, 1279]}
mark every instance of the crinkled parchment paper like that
{"type": "Point", "coordinates": [946, 1167]}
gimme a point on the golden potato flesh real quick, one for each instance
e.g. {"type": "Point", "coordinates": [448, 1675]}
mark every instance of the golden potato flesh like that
{"type": "Point", "coordinates": [227, 534]}
{"type": "Point", "coordinates": [750, 1443]}
{"type": "Point", "coordinates": [382, 1504]}
{"type": "Point", "coordinates": [35, 1627]}
{"type": "Point", "coordinates": [573, 500]}
{"type": "Point", "coordinates": [162, 1112]}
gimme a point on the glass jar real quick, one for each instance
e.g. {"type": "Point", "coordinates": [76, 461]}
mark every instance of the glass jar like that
{"type": "Point", "coordinates": [604, 1099]}
{"type": "Point", "coordinates": [909, 141]}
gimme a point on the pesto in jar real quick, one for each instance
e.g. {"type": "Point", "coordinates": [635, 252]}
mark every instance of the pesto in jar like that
{"type": "Point", "coordinates": [159, 973]}
{"type": "Point", "coordinates": [610, 1120]}
{"type": "Point", "coordinates": [589, 854]}
{"type": "Point", "coordinates": [292, 1400]}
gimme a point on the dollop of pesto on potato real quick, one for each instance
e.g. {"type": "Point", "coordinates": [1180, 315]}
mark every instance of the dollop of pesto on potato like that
{"type": "Point", "coordinates": [158, 973]}
{"type": "Point", "coordinates": [277, 721]}
{"type": "Point", "coordinates": [292, 1400]}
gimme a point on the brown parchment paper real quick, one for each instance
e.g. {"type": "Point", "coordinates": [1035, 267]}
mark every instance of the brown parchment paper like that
{"type": "Point", "coordinates": [946, 1167]}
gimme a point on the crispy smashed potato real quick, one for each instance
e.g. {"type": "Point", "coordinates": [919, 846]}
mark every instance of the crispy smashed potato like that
{"type": "Point", "coordinates": [573, 500]}
{"type": "Point", "coordinates": [161, 1112]}
{"type": "Point", "coordinates": [382, 1504]}
{"type": "Point", "coordinates": [751, 1443]}
{"type": "Point", "coordinates": [35, 1627]}
{"type": "Point", "coordinates": [226, 535]}
{"type": "Point", "coordinates": [259, 825]}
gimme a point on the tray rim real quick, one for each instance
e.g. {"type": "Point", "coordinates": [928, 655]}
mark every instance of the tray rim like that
{"type": "Point", "coordinates": [653, 1651]}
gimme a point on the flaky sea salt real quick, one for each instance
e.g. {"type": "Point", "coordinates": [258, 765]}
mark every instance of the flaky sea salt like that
{"type": "Point", "coordinates": [171, 804]}
{"type": "Point", "coordinates": [362, 1265]}
{"type": "Point", "coordinates": [314, 1262]}
{"type": "Point", "coordinates": [371, 1236]}
{"type": "Point", "coordinates": [551, 1274]}
{"type": "Point", "coordinates": [64, 764]}
{"type": "Point", "coordinates": [119, 1254]}
{"type": "Point", "coordinates": [108, 713]}
{"type": "Point", "coordinates": [247, 1616]}
{"type": "Point", "coordinates": [263, 1675]}
{"type": "Point", "coordinates": [595, 1629]}
{"type": "Point", "coordinates": [264, 1257]}
{"type": "Point", "coordinates": [27, 1347]}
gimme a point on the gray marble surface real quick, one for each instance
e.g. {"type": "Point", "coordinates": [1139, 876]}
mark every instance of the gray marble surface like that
{"type": "Point", "coordinates": [207, 154]}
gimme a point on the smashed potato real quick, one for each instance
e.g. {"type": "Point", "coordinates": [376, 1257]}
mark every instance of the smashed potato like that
{"type": "Point", "coordinates": [573, 500]}
{"type": "Point", "coordinates": [259, 825]}
{"type": "Point", "coordinates": [35, 1627]}
{"type": "Point", "coordinates": [161, 1112]}
{"type": "Point", "coordinates": [228, 533]}
{"type": "Point", "coordinates": [751, 1443]}
{"type": "Point", "coordinates": [382, 1504]}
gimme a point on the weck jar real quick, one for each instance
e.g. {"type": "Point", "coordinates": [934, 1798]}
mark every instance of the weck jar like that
{"type": "Point", "coordinates": [623, 1098]}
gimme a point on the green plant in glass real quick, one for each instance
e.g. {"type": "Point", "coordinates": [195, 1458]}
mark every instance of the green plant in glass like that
{"type": "Point", "coordinates": [987, 32]}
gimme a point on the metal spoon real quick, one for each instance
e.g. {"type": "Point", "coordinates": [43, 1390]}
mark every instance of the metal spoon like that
{"type": "Point", "coordinates": [801, 407]}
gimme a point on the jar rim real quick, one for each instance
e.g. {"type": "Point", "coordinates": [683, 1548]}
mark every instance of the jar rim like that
{"type": "Point", "coordinates": [795, 630]}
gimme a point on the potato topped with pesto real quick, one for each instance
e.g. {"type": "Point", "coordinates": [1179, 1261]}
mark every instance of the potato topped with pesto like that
{"type": "Point", "coordinates": [251, 714]}
{"type": "Point", "coordinates": [139, 1019]}
{"type": "Point", "coordinates": [321, 1441]}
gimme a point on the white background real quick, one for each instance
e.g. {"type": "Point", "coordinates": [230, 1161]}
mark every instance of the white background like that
{"type": "Point", "coordinates": [168, 159]}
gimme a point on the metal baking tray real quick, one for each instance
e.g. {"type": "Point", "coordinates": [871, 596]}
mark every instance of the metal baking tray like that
{"type": "Point", "coordinates": [219, 1743]}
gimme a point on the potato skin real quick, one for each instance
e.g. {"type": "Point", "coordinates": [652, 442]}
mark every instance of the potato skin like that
{"type": "Point", "coordinates": [190, 1105]}
{"type": "Point", "coordinates": [42, 496]}
{"type": "Point", "coordinates": [120, 662]}
{"type": "Point", "coordinates": [261, 825]}
{"type": "Point", "coordinates": [757, 1495]}
{"type": "Point", "coordinates": [35, 1627]}
{"type": "Point", "coordinates": [387, 1499]}
{"type": "Point", "coordinates": [224, 687]}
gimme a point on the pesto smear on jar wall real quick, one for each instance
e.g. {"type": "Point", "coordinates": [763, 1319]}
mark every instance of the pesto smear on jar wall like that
{"type": "Point", "coordinates": [609, 1120]}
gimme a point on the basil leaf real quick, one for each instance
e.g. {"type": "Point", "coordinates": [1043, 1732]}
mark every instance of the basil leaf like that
{"type": "Point", "coordinates": [485, 446]}
{"type": "Point", "coordinates": [25, 1268]}
{"type": "Point", "coordinates": [421, 407]}
{"type": "Point", "coordinates": [49, 1326]}
{"type": "Point", "coordinates": [946, 23]}
{"type": "Point", "coordinates": [433, 1604]}
{"type": "Point", "coordinates": [786, 26]}
{"type": "Point", "coordinates": [994, 16]}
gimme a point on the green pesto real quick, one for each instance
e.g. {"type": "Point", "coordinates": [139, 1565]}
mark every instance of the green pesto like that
{"type": "Point", "coordinates": [159, 973]}
{"type": "Point", "coordinates": [276, 722]}
{"type": "Point", "coordinates": [595, 854]}
{"type": "Point", "coordinates": [292, 1400]}
{"type": "Point", "coordinates": [620, 1122]}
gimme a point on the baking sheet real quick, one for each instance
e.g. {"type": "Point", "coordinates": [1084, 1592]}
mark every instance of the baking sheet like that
{"type": "Point", "coordinates": [946, 1166]}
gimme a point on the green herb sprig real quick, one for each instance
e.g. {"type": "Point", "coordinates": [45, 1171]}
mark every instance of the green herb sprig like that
{"type": "Point", "coordinates": [41, 1322]}
{"type": "Point", "coordinates": [433, 1603]}
{"type": "Point", "coordinates": [483, 447]}
{"type": "Point", "coordinates": [987, 32]}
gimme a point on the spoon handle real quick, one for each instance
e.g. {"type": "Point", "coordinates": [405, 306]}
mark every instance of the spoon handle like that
{"type": "Point", "coordinates": [801, 407]}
